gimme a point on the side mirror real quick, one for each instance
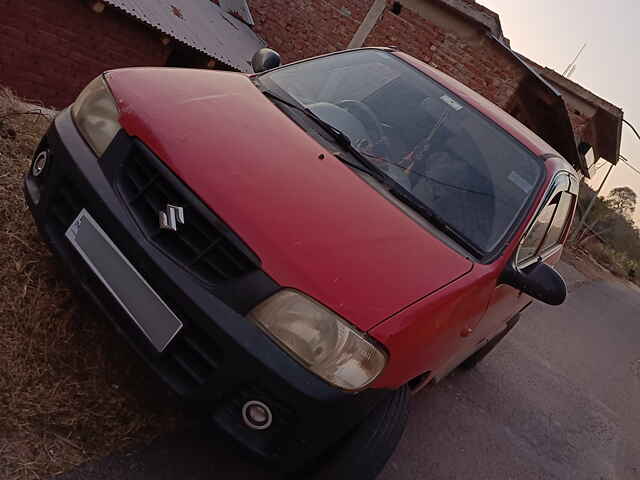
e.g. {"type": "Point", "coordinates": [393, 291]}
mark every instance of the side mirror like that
{"type": "Point", "coordinates": [265, 59]}
{"type": "Point", "coordinates": [539, 280]}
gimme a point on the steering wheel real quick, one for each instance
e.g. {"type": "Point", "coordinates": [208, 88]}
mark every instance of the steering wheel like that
{"type": "Point", "coordinates": [370, 120]}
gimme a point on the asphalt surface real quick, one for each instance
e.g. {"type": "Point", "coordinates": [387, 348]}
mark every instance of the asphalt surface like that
{"type": "Point", "coordinates": [559, 398]}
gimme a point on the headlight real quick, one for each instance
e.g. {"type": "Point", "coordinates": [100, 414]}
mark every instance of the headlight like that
{"type": "Point", "coordinates": [96, 115]}
{"type": "Point", "coordinates": [320, 340]}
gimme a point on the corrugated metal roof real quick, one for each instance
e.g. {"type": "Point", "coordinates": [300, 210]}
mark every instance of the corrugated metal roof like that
{"type": "Point", "coordinates": [200, 24]}
{"type": "Point", "coordinates": [241, 7]}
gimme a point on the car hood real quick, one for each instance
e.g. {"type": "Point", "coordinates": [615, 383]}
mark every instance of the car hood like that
{"type": "Point", "coordinates": [316, 225]}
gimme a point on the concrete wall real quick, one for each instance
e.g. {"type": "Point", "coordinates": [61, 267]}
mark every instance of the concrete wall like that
{"type": "Point", "coordinates": [50, 49]}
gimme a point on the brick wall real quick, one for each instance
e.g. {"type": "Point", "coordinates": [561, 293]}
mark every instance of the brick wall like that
{"type": "Point", "coordinates": [480, 63]}
{"type": "Point", "coordinates": [303, 28]}
{"type": "Point", "coordinates": [50, 49]}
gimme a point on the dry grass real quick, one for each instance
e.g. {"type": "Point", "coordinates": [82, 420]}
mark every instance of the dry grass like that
{"type": "Point", "coordinates": [69, 388]}
{"type": "Point", "coordinates": [608, 258]}
{"type": "Point", "coordinates": [595, 268]}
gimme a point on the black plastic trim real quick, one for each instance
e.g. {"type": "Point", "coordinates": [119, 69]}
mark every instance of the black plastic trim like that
{"type": "Point", "coordinates": [195, 201]}
{"type": "Point", "coordinates": [241, 293]}
{"type": "Point", "coordinates": [245, 360]}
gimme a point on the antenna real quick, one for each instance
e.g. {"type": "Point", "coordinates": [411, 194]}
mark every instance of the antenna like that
{"type": "Point", "coordinates": [572, 66]}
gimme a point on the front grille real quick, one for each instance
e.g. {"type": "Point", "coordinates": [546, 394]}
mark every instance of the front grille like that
{"type": "Point", "coordinates": [198, 245]}
{"type": "Point", "coordinates": [191, 358]}
{"type": "Point", "coordinates": [66, 203]}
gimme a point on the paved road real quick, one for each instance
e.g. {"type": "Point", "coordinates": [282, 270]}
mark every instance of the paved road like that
{"type": "Point", "coordinates": [558, 399]}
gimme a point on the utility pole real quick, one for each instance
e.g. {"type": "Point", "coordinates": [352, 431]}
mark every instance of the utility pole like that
{"type": "Point", "coordinates": [583, 220]}
{"type": "Point", "coordinates": [374, 14]}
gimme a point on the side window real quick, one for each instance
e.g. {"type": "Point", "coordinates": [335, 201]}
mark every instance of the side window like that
{"type": "Point", "coordinates": [559, 223]}
{"type": "Point", "coordinates": [533, 240]}
{"type": "Point", "coordinates": [548, 227]}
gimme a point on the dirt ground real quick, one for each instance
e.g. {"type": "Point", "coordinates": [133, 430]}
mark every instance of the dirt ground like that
{"type": "Point", "coordinates": [586, 264]}
{"type": "Point", "coordinates": [70, 390]}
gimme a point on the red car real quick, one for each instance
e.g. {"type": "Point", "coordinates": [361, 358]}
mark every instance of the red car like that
{"type": "Point", "coordinates": [294, 251]}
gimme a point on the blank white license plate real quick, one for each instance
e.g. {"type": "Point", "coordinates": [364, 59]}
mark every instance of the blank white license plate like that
{"type": "Point", "coordinates": [142, 303]}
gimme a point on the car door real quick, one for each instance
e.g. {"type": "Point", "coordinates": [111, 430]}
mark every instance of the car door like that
{"type": "Point", "coordinates": [543, 241]}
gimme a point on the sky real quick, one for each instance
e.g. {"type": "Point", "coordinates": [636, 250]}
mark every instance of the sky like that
{"type": "Point", "coordinates": [551, 33]}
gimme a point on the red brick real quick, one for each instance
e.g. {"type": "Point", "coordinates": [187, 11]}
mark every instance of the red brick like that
{"type": "Point", "coordinates": [304, 28]}
{"type": "Point", "coordinates": [52, 48]}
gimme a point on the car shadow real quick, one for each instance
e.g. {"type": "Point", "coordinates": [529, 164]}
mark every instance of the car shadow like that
{"type": "Point", "coordinates": [195, 452]}
{"type": "Point", "coordinates": [189, 449]}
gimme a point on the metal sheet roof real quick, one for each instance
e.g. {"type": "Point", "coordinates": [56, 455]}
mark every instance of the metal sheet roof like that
{"type": "Point", "coordinates": [200, 24]}
{"type": "Point", "coordinates": [241, 7]}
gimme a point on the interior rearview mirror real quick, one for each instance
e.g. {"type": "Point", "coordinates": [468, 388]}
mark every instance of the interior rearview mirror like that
{"type": "Point", "coordinates": [265, 59]}
{"type": "Point", "coordinates": [539, 281]}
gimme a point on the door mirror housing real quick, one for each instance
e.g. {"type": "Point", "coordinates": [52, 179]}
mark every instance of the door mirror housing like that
{"type": "Point", "coordinates": [265, 59]}
{"type": "Point", "coordinates": [539, 281]}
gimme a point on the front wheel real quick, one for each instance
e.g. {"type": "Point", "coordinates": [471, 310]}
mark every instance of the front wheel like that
{"type": "Point", "coordinates": [363, 453]}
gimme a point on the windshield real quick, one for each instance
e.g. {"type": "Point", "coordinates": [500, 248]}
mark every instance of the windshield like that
{"type": "Point", "coordinates": [455, 161]}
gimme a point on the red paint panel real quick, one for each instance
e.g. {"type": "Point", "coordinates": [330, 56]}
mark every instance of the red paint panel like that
{"type": "Point", "coordinates": [426, 335]}
{"type": "Point", "coordinates": [315, 224]}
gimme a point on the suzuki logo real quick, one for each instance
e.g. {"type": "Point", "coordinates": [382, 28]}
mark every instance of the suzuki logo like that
{"type": "Point", "coordinates": [170, 217]}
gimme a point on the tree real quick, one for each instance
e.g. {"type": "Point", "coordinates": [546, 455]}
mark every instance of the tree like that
{"type": "Point", "coordinates": [611, 216]}
{"type": "Point", "coordinates": [622, 200]}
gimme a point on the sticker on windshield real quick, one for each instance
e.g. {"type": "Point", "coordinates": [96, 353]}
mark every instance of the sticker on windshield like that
{"type": "Point", "coordinates": [451, 102]}
{"type": "Point", "coordinates": [520, 182]}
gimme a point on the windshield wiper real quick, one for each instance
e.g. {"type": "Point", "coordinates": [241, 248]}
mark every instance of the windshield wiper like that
{"type": "Point", "coordinates": [342, 139]}
{"type": "Point", "coordinates": [370, 168]}
{"type": "Point", "coordinates": [432, 217]}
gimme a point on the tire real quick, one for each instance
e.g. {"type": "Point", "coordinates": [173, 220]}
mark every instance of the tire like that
{"type": "Point", "coordinates": [366, 450]}
{"type": "Point", "coordinates": [479, 355]}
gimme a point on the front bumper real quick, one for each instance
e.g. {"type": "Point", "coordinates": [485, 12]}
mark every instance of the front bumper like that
{"type": "Point", "coordinates": [219, 360]}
